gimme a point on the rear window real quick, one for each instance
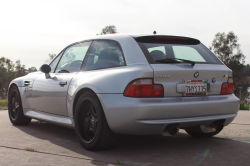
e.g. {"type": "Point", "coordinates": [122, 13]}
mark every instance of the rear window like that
{"type": "Point", "coordinates": [188, 51]}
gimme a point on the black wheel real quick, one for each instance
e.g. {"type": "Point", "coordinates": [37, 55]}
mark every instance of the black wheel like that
{"type": "Point", "coordinates": [197, 132]}
{"type": "Point", "coordinates": [15, 108]}
{"type": "Point", "coordinates": [91, 125]}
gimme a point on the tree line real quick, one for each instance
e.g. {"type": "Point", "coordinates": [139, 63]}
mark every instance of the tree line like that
{"type": "Point", "coordinates": [9, 71]}
{"type": "Point", "coordinates": [225, 46]}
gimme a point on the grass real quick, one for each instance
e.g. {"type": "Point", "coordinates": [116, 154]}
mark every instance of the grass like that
{"type": "Point", "coordinates": [3, 103]}
{"type": "Point", "coordinates": [31, 149]}
{"type": "Point", "coordinates": [244, 106]}
{"type": "Point", "coordinates": [120, 162]}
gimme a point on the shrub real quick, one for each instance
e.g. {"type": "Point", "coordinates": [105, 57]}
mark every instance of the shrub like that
{"type": "Point", "coordinates": [244, 106]}
{"type": "Point", "coordinates": [3, 103]}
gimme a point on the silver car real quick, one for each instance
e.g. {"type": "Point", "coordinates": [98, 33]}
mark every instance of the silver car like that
{"type": "Point", "coordinates": [122, 84]}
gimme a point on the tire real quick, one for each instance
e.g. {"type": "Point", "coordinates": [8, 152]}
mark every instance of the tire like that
{"type": "Point", "coordinates": [197, 133]}
{"type": "Point", "coordinates": [15, 108]}
{"type": "Point", "coordinates": [91, 126]}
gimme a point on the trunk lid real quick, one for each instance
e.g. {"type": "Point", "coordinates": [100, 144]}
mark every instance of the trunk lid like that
{"type": "Point", "coordinates": [173, 76]}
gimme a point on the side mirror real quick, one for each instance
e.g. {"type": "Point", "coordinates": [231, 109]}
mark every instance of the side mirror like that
{"type": "Point", "coordinates": [46, 69]}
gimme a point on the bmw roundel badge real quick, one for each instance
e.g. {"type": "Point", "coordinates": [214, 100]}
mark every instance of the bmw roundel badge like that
{"type": "Point", "coordinates": [196, 74]}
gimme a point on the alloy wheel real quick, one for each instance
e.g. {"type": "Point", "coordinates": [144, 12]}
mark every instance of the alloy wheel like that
{"type": "Point", "coordinates": [14, 105]}
{"type": "Point", "coordinates": [89, 123]}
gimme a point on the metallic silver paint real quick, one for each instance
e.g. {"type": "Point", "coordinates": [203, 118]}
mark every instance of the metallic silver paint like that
{"type": "Point", "coordinates": [106, 81]}
{"type": "Point", "coordinates": [180, 72]}
{"type": "Point", "coordinates": [124, 114]}
{"type": "Point", "coordinates": [185, 120]}
{"type": "Point", "coordinates": [49, 96]}
{"type": "Point", "coordinates": [61, 120]}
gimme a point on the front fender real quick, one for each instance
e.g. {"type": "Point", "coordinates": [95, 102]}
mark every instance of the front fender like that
{"type": "Point", "coordinates": [19, 82]}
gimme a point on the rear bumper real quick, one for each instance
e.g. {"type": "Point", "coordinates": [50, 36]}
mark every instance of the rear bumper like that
{"type": "Point", "coordinates": [140, 116]}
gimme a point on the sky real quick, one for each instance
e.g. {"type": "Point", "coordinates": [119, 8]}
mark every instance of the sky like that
{"type": "Point", "coordinates": [32, 29]}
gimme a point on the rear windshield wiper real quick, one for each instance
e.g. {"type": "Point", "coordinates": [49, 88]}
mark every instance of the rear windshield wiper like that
{"type": "Point", "coordinates": [175, 60]}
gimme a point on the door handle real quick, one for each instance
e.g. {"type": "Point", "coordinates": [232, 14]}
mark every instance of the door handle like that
{"type": "Point", "coordinates": [62, 83]}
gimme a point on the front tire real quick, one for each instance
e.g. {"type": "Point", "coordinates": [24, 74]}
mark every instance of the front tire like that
{"type": "Point", "coordinates": [91, 126]}
{"type": "Point", "coordinates": [15, 108]}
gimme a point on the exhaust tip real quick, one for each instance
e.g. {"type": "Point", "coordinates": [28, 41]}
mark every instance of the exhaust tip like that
{"type": "Point", "coordinates": [170, 130]}
{"type": "Point", "coordinates": [216, 126]}
{"type": "Point", "coordinates": [219, 127]}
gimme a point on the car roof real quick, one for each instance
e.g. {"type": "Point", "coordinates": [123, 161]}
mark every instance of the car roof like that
{"type": "Point", "coordinates": [122, 36]}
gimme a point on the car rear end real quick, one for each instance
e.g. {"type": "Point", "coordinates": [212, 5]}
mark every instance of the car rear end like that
{"type": "Point", "coordinates": [190, 87]}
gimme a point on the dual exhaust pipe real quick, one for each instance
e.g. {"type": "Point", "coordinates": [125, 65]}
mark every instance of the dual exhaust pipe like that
{"type": "Point", "coordinates": [215, 126]}
{"type": "Point", "coordinates": [172, 129]}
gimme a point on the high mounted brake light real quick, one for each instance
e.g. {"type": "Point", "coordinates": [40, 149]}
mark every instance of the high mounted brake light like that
{"type": "Point", "coordinates": [227, 87]}
{"type": "Point", "coordinates": [170, 37]}
{"type": "Point", "coordinates": [166, 40]}
{"type": "Point", "coordinates": [143, 87]}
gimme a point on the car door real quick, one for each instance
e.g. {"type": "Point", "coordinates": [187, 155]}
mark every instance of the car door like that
{"type": "Point", "coordinates": [50, 95]}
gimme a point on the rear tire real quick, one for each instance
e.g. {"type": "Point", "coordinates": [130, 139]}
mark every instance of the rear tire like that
{"type": "Point", "coordinates": [197, 133]}
{"type": "Point", "coordinates": [91, 126]}
{"type": "Point", "coordinates": [15, 108]}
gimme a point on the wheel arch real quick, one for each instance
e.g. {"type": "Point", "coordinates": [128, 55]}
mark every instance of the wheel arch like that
{"type": "Point", "coordinates": [78, 95]}
{"type": "Point", "coordinates": [86, 89]}
{"type": "Point", "coordinates": [10, 86]}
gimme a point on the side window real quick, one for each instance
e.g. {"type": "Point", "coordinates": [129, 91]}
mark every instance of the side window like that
{"type": "Point", "coordinates": [54, 63]}
{"type": "Point", "coordinates": [188, 53]}
{"type": "Point", "coordinates": [104, 54]}
{"type": "Point", "coordinates": [72, 58]}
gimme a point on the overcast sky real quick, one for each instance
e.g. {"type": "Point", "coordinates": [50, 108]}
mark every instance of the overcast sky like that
{"type": "Point", "coordinates": [31, 29]}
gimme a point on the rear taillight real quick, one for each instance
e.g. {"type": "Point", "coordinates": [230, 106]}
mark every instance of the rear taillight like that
{"type": "Point", "coordinates": [143, 88]}
{"type": "Point", "coordinates": [227, 87]}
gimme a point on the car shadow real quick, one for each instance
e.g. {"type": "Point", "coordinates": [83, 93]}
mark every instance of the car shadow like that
{"type": "Point", "coordinates": [146, 150]}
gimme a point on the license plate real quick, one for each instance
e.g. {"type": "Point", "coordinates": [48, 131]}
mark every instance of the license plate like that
{"type": "Point", "coordinates": [196, 87]}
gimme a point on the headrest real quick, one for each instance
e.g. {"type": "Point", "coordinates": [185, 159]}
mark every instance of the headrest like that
{"type": "Point", "coordinates": [156, 55]}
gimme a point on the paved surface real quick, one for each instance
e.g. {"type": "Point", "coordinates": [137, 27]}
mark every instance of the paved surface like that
{"type": "Point", "coordinates": [57, 145]}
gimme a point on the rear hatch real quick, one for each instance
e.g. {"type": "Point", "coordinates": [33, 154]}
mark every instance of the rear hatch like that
{"type": "Point", "coordinates": [184, 66]}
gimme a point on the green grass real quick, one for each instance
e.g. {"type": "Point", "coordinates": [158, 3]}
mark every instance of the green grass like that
{"type": "Point", "coordinates": [31, 149]}
{"type": "Point", "coordinates": [3, 103]}
{"type": "Point", "coordinates": [244, 106]}
{"type": "Point", "coordinates": [120, 162]}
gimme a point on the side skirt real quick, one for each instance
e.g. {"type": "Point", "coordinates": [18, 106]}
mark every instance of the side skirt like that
{"type": "Point", "coordinates": [56, 119]}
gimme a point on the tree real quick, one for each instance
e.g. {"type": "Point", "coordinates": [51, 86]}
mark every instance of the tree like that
{"type": "Point", "coordinates": [247, 70]}
{"type": "Point", "coordinates": [7, 74]}
{"type": "Point", "coordinates": [19, 69]}
{"type": "Point", "coordinates": [31, 69]}
{"type": "Point", "coordinates": [110, 29]}
{"type": "Point", "coordinates": [227, 48]}
{"type": "Point", "coordinates": [51, 56]}
{"type": "Point", "coordinates": [10, 71]}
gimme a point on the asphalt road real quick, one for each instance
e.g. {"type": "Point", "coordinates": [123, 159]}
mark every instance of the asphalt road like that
{"type": "Point", "coordinates": [57, 145]}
